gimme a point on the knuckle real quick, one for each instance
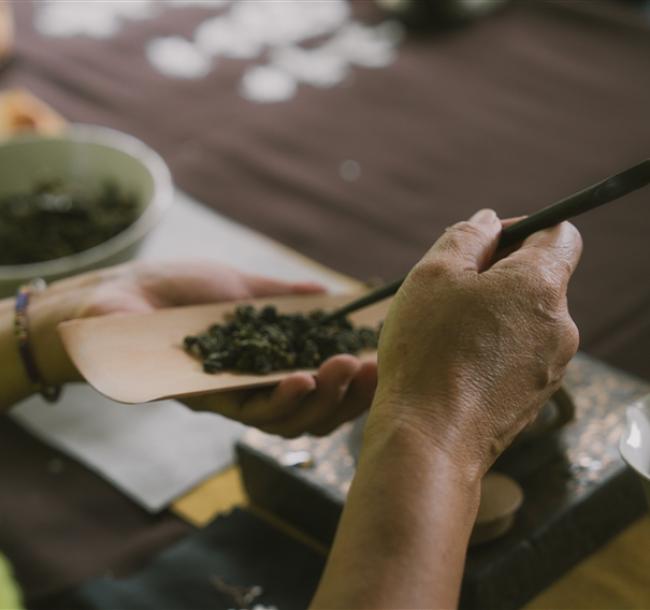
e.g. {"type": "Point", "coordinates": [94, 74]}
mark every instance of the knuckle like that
{"type": "Point", "coordinates": [570, 340]}
{"type": "Point", "coordinates": [464, 229]}
{"type": "Point", "coordinates": [456, 236]}
{"type": "Point", "coordinates": [564, 267]}
{"type": "Point", "coordinates": [544, 284]}
{"type": "Point", "coordinates": [530, 282]}
{"type": "Point", "coordinates": [550, 375]}
{"type": "Point", "coordinates": [94, 309]}
{"type": "Point", "coordinates": [430, 270]}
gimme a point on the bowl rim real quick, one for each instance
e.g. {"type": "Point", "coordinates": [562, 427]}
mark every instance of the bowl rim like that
{"type": "Point", "coordinates": [161, 200]}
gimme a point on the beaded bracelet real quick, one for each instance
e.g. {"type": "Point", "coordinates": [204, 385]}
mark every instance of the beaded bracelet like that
{"type": "Point", "coordinates": [49, 392]}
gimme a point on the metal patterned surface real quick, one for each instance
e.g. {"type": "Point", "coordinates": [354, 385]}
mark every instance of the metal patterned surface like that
{"type": "Point", "coordinates": [589, 444]}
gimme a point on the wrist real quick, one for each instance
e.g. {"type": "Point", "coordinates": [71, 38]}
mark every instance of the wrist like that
{"type": "Point", "coordinates": [46, 311]}
{"type": "Point", "coordinates": [431, 433]}
{"type": "Point", "coordinates": [411, 444]}
{"type": "Point", "coordinates": [406, 524]}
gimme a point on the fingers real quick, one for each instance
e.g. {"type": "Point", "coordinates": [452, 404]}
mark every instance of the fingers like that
{"type": "Point", "coordinates": [227, 404]}
{"type": "Point", "coordinates": [258, 407]}
{"type": "Point", "coordinates": [259, 286]}
{"type": "Point", "coordinates": [540, 270]}
{"type": "Point", "coordinates": [279, 404]}
{"type": "Point", "coordinates": [356, 401]}
{"type": "Point", "coordinates": [332, 382]}
{"type": "Point", "coordinates": [201, 281]}
{"type": "Point", "coordinates": [468, 245]}
{"type": "Point", "coordinates": [342, 390]}
{"type": "Point", "coordinates": [551, 255]}
{"type": "Point", "coordinates": [176, 283]}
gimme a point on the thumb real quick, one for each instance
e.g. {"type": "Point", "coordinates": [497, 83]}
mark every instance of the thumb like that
{"type": "Point", "coordinates": [469, 245]}
{"type": "Point", "coordinates": [551, 253]}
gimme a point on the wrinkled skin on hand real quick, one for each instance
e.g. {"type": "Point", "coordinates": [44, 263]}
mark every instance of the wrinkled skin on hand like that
{"type": "Point", "coordinates": [472, 349]}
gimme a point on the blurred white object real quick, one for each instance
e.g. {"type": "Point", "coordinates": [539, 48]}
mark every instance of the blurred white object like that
{"type": "Point", "coordinates": [635, 442]}
{"type": "Point", "coordinates": [268, 84]}
{"type": "Point", "coordinates": [314, 67]}
{"type": "Point", "coordinates": [86, 155]}
{"type": "Point", "coordinates": [324, 65]}
{"type": "Point", "coordinates": [225, 37]}
{"type": "Point", "coordinates": [315, 43]}
{"type": "Point", "coordinates": [252, 26]}
{"type": "Point", "coordinates": [177, 57]}
{"type": "Point", "coordinates": [366, 46]}
{"type": "Point", "coordinates": [289, 21]}
{"type": "Point", "coordinates": [97, 19]}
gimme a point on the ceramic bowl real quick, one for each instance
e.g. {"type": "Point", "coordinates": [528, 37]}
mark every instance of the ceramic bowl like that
{"type": "Point", "coordinates": [87, 155]}
{"type": "Point", "coordinates": [635, 442]}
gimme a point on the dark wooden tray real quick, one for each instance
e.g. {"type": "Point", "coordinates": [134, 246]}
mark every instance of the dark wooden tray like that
{"type": "Point", "coordinates": [578, 491]}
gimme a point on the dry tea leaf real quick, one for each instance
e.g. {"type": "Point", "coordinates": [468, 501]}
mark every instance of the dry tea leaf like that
{"type": "Point", "coordinates": [56, 219]}
{"type": "Point", "coordinates": [264, 340]}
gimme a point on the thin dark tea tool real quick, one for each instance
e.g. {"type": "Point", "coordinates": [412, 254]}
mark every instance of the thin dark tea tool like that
{"type": "Point", "coordinates": [608, 190]}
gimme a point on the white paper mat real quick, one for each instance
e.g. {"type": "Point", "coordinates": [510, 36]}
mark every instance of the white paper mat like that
{"type": "Point", "coordinates": [154, 453]}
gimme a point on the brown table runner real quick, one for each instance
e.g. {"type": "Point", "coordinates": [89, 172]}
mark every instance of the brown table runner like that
{"type": "Point", "coordinates": [512, 113]}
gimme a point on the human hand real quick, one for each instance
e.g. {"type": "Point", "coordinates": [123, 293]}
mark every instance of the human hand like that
{"type": "Point", "coordinates": [342, 388]}
{"type": "Point", "coordinates": [470, 351]}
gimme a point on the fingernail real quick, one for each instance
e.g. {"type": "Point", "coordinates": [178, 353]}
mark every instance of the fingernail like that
{"type": "Point", "coordinates": [307, 288]}
{"type": "Point", "coordinates": [485, 216]}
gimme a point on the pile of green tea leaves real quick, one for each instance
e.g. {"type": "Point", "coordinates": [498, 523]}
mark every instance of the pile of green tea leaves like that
{"type": "Point", "coordinates": [263, 340]}
{"type": "Point", "coordinates": [57, 219]}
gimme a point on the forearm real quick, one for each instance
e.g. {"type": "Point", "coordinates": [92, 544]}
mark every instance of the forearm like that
{"type": "Point", "coordinates": [403, 535]}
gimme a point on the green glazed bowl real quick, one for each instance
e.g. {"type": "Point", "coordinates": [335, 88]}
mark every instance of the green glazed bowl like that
{"type": "Point", "coordinates": [87, 155]}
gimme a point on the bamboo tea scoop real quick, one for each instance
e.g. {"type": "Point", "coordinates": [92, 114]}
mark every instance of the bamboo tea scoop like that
{"type": "Point", "coordinates": [608, 190]}
{"type": "Point", "coordinates": [135, 358]}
